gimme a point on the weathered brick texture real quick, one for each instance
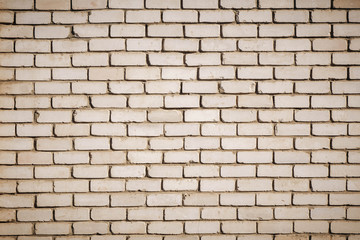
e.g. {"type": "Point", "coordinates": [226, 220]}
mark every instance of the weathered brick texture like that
{"type": "Point", "coordinates": [179, 119]}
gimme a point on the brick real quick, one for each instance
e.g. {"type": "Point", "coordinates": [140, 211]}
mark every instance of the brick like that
{"type": "Point", "coordinates": [16, 31]}
{"type": "Point", "coordinates": [33, 18]}
{"type": "Point", "coordinates": [126, 30]}
{"type": "Point", "coordinates": [144, 157]}
{"type": "Point", "coordinates": [53, 60]}
{"type": "Point", "coordinates": [129, 227]}
{"type": "Point", "coordinates": [168, 30]}
{"type": "Point", "coordinates": [148, 16]}
{"type": "Point", "coordinates": [166, 59]}
{"type": "Point", "coordinates": [128, 59]}
{"type": "Point", "coordinates": [239, 227]}
{"type": "Point", "coordinates": [162, 87]}
{"type": "Point", "coordinates": [329, 44]}
{"type": "Point", "coordinates": [55, 228]}
{"type": "Point", "coordinates": [92, 143]}
{"type": "Point", "coordinates": [90, 59]}
{"type": "Point", "coordinates": [256, 44]}
{"type": "Point", "coordinates": [213, 45]}
{"type": "Point", "coordinates": [291, 16]}
{"type": "Point", "coordinates": [271, 30]}
{"type": "Point", "coordinates": [292, 44]}
{"type": "Point", "coordinates": [72, 130]}
{"type": "Point", "coordinates": [107, 186]}
{"type": "Point", "coordinates": [238, 115]}
{"type": "Point", "coordinates": [224, 16]}
{"type": "Point", "coordinates": [7, 17]}
{"type": "Point", "coordinates": [69, 73]}
{"type": "Point", "coordinates": [181, 45]}
{"type": "Point", "coordinates": [70, 17]}
{"type": "Point", "coordinates": [254, 72]}
{"type": "Point", "coordinates": [106, 44]}
{"type": "Point", "coordinates": [254, 16]}
{"type": "Point", "coordinates": [106, 73]}
{"type": "Point", "coordinates": [16, 229]}
{"type": "Point", "coordinates": [255, 129]}
{"type": "Point", "coordinates": [90, 228]}
{"type": "Point", "coordinates": [52, 32]}
{"type": "Point", "coordinates": [32, 46]}
{"type": "Point", "coordinates": [7, 46]}
{"type": "Point", "coordinates": [236, 4]}
{"type": "Point", "coordinates": [179, 15]}
{"type": "Point", "coordinates": [16, 60]}
{"type": "Point", "coordinates": [311, 4]}
{"type": "Point", "coordinates": [106, 16]}
{"type": "Point", "coordinates": [202, 227]}
{"type": "Point", "coordinates": [149, 73]}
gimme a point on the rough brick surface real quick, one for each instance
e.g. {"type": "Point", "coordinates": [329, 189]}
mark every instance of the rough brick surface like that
{"type": "Point", "coordinates": [179, 119]}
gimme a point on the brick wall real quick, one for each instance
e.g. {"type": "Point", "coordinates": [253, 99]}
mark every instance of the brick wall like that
{"type": "Point", "coordinates": [180, 120]}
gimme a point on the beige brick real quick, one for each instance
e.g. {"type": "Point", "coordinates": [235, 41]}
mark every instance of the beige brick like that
{"type": "Point", "coordinates": [346, 30]}
{"type": "Point", "coordinates": [312, 143]}
{"type": "Point", "coordinates": [291, 16]}
{"type": "Point", "coordinates": [218, 185]}
{"type": "Point", "coordinates": [53, 60]}
{"type": "Point", "coordinates": [217, 16]}
{"type": "Point", "coordinates": [13, 172]}
{"type": "Point", "coordinates": [201, 171]}
{"type": "Point", "coordinates": [91, 115]}
{"type": "Point", "coordinates": [238, 199]}
{"type": "Point", "coordinates": [107, 186]}
{"type": "Point", "coordinates": [181, 157]}
{"type": "Point", "coordinates": [166, 143]}
{"type": "Point", "coordinates": [257, 16]}
{"type": "Point", "coordinates": [162, 87]}
{"type": "Point", "coordinates": [168, 30]}
{"type": "Point", "coordinates": [179, 73]}
{"type": "Point", "coordinates": [6, 45]}
{"type": "Point", "coordinates": [33, 18]}
{"type": "Point", "coordinates": [128, 199]}
{"type": "Point", "coordinates": [255, 129]}
{"type": "Point", "coordinates": [344, 227]}
{"type": "Point", "coordinates": [297, 185]}
{"type": "Point", "coordinates": [90, 59]}
{"type": "Point", "coordinates": [7, 16]}
{"type": "Point", "coordinates": [141, 16]}
{"type": "Point", "coordinates": [128, 59]}
{"type": "Point", "coordinates": [256, 44]}
{"type": "Point", "coordinates": [72, 130]}
{"type": "Point", "coordinates": [70, 17]}
{"type": "Point", "coordinates": [311, 226]}
{"type": "Point", "coordinates": [99, 143]}
{"type": "Point", "coordinates": [16, 229]}
{"type": "Point", "coordinates": [293, 44]}
{"type": "Point", "coordinates": [180, 185]}
{"type": "Point", "coordinates": [203, 227]}
{"type": "Point", "coordinates": [126, 30]}
{"type": "Point", "coordinates": [312, 4]}
{"type": "Point", "coordinates": [147, 185]}
{"type": "Point", "coordinates": [52, 31]}
{"type": "Point", "coordinates": [272, 30]}
{"type": "Point", "coordinates": [201, 199]}
{"type": "Point", "coordinates": [345, 115]}
{"type": "Point", "coordinates": [145, 214]}
{"type": "Point", "coordinates": [128, 171]}
{"type": "Point", "coordinates": [106, 44]}
{"type": "Point", "coordinates": [128, 116]}
{"type": "Point", "coordinates": [144, 157]}
{"type": "Point", "coordinates": [183, 16]}
{"type": "Point", "coordinates": [187, 213]}
{"type": "Point", "coordinates": [108, 214]}
{"type": "Point", "coordinates": [181, 45]}
{"type": "Point", "coordinates": [214, 45]}
{"type": "Point", "coordinates": [149, 73]}
{"type": "Point", "coordinates": [254, 72]}
{"type": "Point", "coordinates": [35, 158]}
{"type": "Point", "coordinates": [239, 227]}
{"type": "Point", "coordinates": [56, 228]}
{"type": "Point", "coordinates": [16, 144]}
{"type": "Point", "coordinates": [69, 46]}
{"type": "Point", "coordinates": [105, 16]}
{"type": "Point", "coordinates": [129, 227]}
{"type": "Point", "coordinates": [166, 59]}
{"type": "Point", "coordinates": [69, 73]}
{"type": "Point", "coordinates": [16, 60]}
{"type": "Point", "coordinates": [16, 31]}
{"type": "Point", "coordinates": [90, 228]}
{"type": "Point", "coordinates": [236, 4]}
{"type": "Point", "coordinates": [329, 44]}
{"type": "Point", "coordinates": [182, 129]}
{"type": "Point", "coordinates": [32, 46]}
{"type": "Point", "coordinates": [310, 199]}
{"type": "Point", "coordinates": [96, 199]}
